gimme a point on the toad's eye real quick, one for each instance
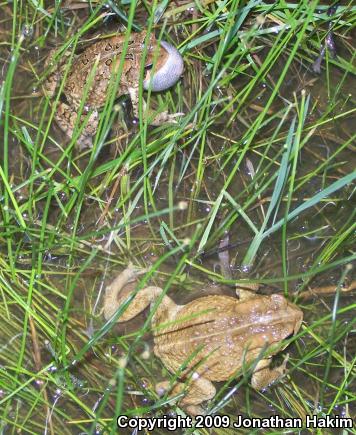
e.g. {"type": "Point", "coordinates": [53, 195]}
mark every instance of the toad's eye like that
{"type": "Point", "coordinates": [147, 72]}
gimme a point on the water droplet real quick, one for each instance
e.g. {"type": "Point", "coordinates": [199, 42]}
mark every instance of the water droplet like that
{"type": "Point", "coordinates": [27, 31]}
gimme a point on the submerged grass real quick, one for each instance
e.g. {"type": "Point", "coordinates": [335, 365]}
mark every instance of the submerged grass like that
{"type": "Point", "coordinates": [263, 154]}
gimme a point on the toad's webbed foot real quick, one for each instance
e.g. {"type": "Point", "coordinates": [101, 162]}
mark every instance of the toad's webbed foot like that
{"type": "Point", "coordinates": [165, 118]}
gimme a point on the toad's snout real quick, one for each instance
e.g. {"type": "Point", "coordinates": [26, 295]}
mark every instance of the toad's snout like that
{"type": "Point", "coordinates": [169, 72]}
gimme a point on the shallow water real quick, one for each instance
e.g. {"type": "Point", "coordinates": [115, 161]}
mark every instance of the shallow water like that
{"type": "Point", "coordinates": [307, 234]}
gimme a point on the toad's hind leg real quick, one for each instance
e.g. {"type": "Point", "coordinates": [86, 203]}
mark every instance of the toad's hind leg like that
{"type": "Point", "coordinates": [123, 286]}
{"type": "Point", "coordinates": [56, 71]}
{"type": "Point", "coordinates": [52, 80]}
{"type": "Point", "coordinates": [198, 391]}
{"type": "Point", "coordinates": [67, 120]}
{"type": "Point", "coordinates": [263, 375]}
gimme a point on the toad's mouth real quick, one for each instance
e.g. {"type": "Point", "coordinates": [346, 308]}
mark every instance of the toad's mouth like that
{"type": "Point", "coordinates": [168, 74]}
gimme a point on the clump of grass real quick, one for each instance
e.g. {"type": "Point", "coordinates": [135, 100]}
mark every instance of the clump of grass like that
{"type": "Point", "coordinates": [263, 154]}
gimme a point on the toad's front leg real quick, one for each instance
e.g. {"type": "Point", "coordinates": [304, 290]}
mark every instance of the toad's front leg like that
{"type": "Point", "coordinates": [159, 118]}
{"type": "Point", "coordinates": [263, 376]}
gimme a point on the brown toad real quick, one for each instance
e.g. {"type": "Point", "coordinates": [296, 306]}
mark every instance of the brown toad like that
{"type": "Point", "coordinates": [211, 338]}
{"type": "Point", "coordinates": [92, 74]}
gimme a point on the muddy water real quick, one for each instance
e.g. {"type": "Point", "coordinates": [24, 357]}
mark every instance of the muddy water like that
{"type": "Point", "coordinates": [307, 233]}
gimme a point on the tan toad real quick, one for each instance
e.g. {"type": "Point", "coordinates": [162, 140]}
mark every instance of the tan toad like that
{"type": "Point", "coordinates": [211, 338]}
{"type": "Point", "coordinates": [92, 74]}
